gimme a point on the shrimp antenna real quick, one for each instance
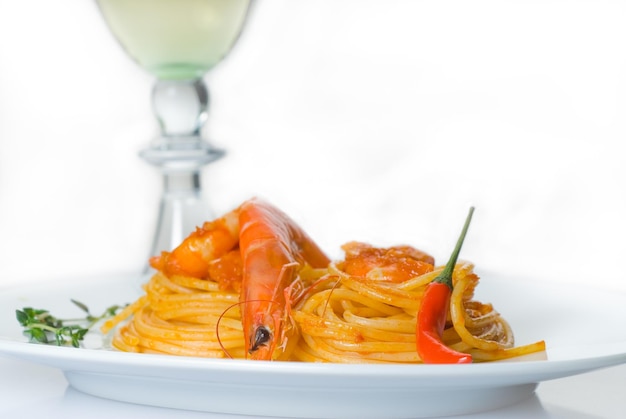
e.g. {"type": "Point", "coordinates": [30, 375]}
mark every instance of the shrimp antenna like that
{"type": "Point", "coordinates": [217, 330]}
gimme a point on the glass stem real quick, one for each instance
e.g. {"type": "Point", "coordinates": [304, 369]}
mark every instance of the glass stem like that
{"type": "Point", "coordinates": [181, 210]}
{"type": "Point", "coordinates": [180, 153]}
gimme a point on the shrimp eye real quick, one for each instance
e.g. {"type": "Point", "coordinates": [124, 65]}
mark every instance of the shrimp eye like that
{"type": "Point", "coordinates": [261, 337]}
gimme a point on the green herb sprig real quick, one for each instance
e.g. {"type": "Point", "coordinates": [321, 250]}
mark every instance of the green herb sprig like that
{"type": "Point", "coordinates": [42, 327]}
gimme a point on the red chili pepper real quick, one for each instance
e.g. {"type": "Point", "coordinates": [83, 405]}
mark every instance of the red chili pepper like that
{"type": "Point", "coordinates": [431, 318]}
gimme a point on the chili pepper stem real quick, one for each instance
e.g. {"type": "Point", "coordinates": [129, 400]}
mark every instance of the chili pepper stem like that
{"type": "Point", "coordinates": [445, 277]}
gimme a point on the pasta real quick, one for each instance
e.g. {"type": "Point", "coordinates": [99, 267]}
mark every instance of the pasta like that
{"type": "Point", "coordinates": [358, 320]}
{"type": "Point", "coordinates": [343, 318]}
{"type": "Point", "coordinates": [180, 316]}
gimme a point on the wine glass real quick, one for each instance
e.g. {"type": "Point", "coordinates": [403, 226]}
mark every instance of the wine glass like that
{"type": "Point", "coordinates": [178, 41]}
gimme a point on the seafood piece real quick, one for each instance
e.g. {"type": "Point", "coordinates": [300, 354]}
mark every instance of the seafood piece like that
{"type": "Point", "coordinates": [274, 249]}
{"type": "Point", "coordinates": [392, 264]}
{"type": "Point", "coordinates": [202, 247]}
{"type": "Point", "coordinates": [227, 271]}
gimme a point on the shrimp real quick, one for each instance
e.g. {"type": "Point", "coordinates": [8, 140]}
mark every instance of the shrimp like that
{"type": "Point", "coordinates": [393, 264]}
{"type": "Point", "coordinates": [194, 256]}
{"type": "Point", "coordinates": [271, 251]}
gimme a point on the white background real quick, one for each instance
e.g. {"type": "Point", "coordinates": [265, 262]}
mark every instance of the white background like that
{"type": "Point", "coordinates": [380, 121]}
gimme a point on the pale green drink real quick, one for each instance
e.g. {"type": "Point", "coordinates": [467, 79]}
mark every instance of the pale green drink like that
{"type": "Point", "coordinates": [176, 39]}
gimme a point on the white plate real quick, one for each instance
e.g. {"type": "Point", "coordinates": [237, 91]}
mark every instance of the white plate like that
{"type": "Point", "coordinates": [582, 327]}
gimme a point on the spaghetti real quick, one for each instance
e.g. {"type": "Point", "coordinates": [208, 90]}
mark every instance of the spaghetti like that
{"type": "Point", "coordinates": [359, 320]}
{"type": "Point", "coordinates": [180, 316]}
{"type": "Point", "coordinates": [343, 318]}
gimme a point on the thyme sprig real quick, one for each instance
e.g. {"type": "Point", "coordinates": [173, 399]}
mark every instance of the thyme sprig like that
{"type": "Point", "coordinates": [42, 327]}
